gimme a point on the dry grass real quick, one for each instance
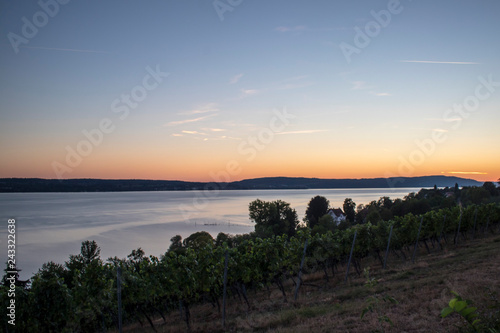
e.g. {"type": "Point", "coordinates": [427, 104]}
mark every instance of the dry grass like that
{"type": "Point", "coordinates": [422, 289]}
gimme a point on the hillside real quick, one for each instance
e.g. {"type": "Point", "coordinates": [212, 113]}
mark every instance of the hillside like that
{"type": "Point", "coordinates": [120, 185]}
{"type": "Point", "coordinates": [422, 290]}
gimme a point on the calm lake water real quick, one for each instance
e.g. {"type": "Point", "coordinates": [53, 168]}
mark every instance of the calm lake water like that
{"type": "Point", "coordinates": [51, 226]}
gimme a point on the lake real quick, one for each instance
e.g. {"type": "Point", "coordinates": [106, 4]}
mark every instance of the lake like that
{"type": "Point", "coordinates": [51, 226]}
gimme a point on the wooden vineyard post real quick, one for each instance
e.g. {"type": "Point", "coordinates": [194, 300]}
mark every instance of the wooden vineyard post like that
{"type": "Point", "coordinates": [299, 279]}
{"type": "Point", "coordinates": [458, 229]}
{"type": "Point", "coordinates": [350, 256]}
{"type": "Point", "coordinates": [475, 221]}
{"type": "Point", "coordinates": [416, 242]}
{"type": "Point", "coordinates": [224, 291]}
{"type": "Point", "coordinates": [119, 295]}
{"type": "Point", "coordinates": [441, 234]}
{"type": "Point", "coordinates": [388, 244]}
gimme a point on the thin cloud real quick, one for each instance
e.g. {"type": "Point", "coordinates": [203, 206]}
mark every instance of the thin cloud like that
{"type": "Point", "coordinates": [65, 50]}
{"type": "Point", "coordinates": [249, 92]}
{"type": "Point", "coordinates": [294, 83]}
{"type": "Point", "coordinates": [359, 85]}
{"type": "Point", "coordinates": [291, 29]}
{"type": "Point", "coordinates": [299, 28]}
{"type": "Point", "coordinates": [214, 129]}
{"type": "Point", "coordinates": [447, 120]}
{"type": "Point", "coordinates": [442, 130]}
{"type": "Point", "coordinates": [193, 132]}
{"type": "Point", "coordinates": [442, 62]}
{"type": "Point", "coordinates": [301, 132]}
{"type": "Point", "coordinates": [209, 107]}
{"type": "Point", "coordinates": [380, 94]}
{"type": "Point", "coordinates": [467, 172]}
{"type": "Point", "coordinates": [186, 121]}
{"type": "Point", "coordinates": [236, 78]}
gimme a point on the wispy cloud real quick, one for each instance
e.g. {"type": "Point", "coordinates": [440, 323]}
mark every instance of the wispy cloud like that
{"type": "Point", "coordinates": [249, 92]}
{"type": "Point", "coordinates": [442, 62]}
{"type": "Point", "coordinates": [187, 121]}
{"type": "Point", "coordinates": [64, 50]}
{"type": "Point", "coordinates": [214, 129]}
{"type": "Point", "coordinates": [236, 78]}
{"type": "Point", "coordinates": [301, 132]}
{"type": "Point", "coordinates": [437, 129]}
{"type": "Point", "coordinates": [466, 172]}
{"type": "Point", "coordinates": [362, 85]}
{"type": "Point", "coordinates": [193, 132]}
{"type": "Point", "coordinates": [294, 83]}
{"type": "Point", "coordinates": [359, 85]}
{"type": "Point", "coordinates": [383, 94]}
{"type": "Point", "coordinates": [209, 107]}
{"type": "Point", "coordinates": [291, 29]}
{"type": "Point", "coordinates": [300, 28]}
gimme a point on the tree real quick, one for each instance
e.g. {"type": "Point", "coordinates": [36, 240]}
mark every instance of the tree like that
{"type": "Point", "coordinates": [490, 187]}
{"type": "Point", "coordinates": [373, 215]}
{"type": "Point", "coordinates": [361, 213]}
{"type": "Point", "coordinates": [475, 195]}
{"type": "Point", "coordinates": [318, 206]}
{"type": "Point", "coordinates": [175, 243]}
{"type": "Point", "coordinates": [273, 218]}
{"type": "Point", "coordinates": [89, 254]}
{"type": "Point", "coordinates": [51, 298]}
{"type": "Point", "coordinates": [198, 240]}
{"type": "Point", "coordinates": [325, 224]}
{"type": "Point", "coordinates": [385, 202]}
{"type": "Point", "coordinates": [349, 209]}
{"type": "Point", "coordinates": [223, 238]}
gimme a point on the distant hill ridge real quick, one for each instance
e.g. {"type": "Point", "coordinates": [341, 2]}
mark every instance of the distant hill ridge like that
{"type": "Point", "coordinates": [121, 185]}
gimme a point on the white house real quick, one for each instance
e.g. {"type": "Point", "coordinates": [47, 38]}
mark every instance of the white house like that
{"type": "Point", "coordinates": [337, 214]}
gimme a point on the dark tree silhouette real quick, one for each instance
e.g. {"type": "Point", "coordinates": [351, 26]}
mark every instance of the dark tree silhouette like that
{"type": "Point", "coordinates": [318, 206]}
{"type": "Point", "coordinates": [349, 209]}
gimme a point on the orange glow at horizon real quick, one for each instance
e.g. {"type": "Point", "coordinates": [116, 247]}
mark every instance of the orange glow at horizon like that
{"type": "Point", "coordinates": [200, 161]}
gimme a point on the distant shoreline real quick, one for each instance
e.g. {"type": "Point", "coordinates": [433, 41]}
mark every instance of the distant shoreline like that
{"type": "Point", "coordinates": [36, 185]}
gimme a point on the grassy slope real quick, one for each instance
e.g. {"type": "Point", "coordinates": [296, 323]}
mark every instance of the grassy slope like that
{"type": "Point", "coordinates": [422, 289]}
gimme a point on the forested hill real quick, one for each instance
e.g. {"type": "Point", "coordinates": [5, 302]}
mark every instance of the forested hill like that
{"type": "Point", "coordinates": [306, 183]}
{"type": "Point", "coordinates": [107, 185]}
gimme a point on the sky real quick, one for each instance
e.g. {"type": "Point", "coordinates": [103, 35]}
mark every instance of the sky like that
{"type": "Point", "coordinates": [226, 90]}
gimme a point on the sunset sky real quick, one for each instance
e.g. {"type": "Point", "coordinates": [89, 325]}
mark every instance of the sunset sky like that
{"type": "Point", "coordinates": [223, 90]}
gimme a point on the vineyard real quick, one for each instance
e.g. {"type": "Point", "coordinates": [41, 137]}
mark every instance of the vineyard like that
{"type": "Point", "coordinates": [81, 296]}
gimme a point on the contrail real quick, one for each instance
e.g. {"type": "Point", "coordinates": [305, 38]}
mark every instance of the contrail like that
{"type": "Point", "coordinates": [65, 50]}
{"type": "Point", "coordinates": [442, 62]}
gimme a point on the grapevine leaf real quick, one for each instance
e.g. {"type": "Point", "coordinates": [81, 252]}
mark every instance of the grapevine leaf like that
{"type": "Point", "coordinates": [468, 312]}
{"type": "Point", "coordinates": [475, 322]}
{"type": "Point", "coordinates": [365, 310]}
{"type": "Point", "coordinates": [452, 303]}
{"type": "Point", "coordinates": [446, 312]}
{"type": "Point", "coordinates": [460, 305]}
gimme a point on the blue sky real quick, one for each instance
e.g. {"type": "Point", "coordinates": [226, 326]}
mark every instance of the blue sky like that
{"type": "Point", "coordinates": [351, 119]}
